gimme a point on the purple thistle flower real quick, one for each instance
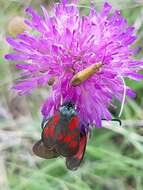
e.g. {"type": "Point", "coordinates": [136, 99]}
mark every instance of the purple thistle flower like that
{"type": "Point", "coordinates": [66, 43]}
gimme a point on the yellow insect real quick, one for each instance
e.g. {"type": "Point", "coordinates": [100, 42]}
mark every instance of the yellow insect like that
{"type": "Point", "coordinates": [81, 76]}
{"type": "Point", "coordinates": [85, 74]}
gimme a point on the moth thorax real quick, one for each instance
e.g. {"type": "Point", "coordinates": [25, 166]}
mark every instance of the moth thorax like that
{"type": "Point", "coordinates": [67, 109]}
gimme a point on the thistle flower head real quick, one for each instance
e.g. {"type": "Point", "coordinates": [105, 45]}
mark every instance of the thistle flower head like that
{"type": "Point", "coordinates": [66, 43]}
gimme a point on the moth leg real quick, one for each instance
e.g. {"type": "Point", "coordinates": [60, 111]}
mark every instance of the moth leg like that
{"type": "Point", "coordinates": [118, 120]}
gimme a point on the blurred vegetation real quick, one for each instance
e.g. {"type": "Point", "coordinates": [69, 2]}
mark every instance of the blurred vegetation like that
{"type": "Point", "coordinates": [114, 155]}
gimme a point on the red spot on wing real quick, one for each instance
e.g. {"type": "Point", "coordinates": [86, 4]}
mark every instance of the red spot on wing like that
{"type": "Point", "coordinates": [49, 124]}
{"type": "Point", "coordinates": [82, 146]}
{"type": "Point", "coordinates": [60, 137]}
{"type": "Point", "coordinates": [73, 144]}
{"type": "Point", "coordinates": [46, 131]}
{"type": "Point", "coordinates": [52, 131]}
{"type": "Point", "coordinates": [67, 138]}
{"type": "Point", "coordinates": [55, 119]}
{"type": "Point", "coordinates": [49, 130]}
{"type": "Point", "coordinates": [73, 123]}
{"type": "Point", "coordinates": [70, 137]}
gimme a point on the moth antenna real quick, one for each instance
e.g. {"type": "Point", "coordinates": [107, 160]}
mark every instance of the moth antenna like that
{"type": "Point", "coordinates": [61, 100]}
{"type": "Point", "coordinates": [75, 105]}
{"type": "Point", "coordinates": [124, 97]}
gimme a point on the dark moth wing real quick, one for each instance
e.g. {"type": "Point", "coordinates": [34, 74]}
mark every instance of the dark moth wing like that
{"type": "Point", "coordinates": [74, 162]}
{"type": "Point", "coordinates": [42, 151]}
{"type": "Point", "coordinates": [68, 136]}
{"type": "Point", "coordinates": [62, 134]}
{"type": "Point", "coordinates": [49, 132]}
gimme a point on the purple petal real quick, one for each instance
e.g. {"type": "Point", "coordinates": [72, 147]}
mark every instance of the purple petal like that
{"type": "Point", "coordinates": [47, 106]}
{"type": "Point", "coordinates": [106, 9]}
{"type": "Point", "coordinates": [17, 57]}
{"type": "Point", "coordinates": [131, 93]}
{"type": "Point", "coordinates": [134, 76]}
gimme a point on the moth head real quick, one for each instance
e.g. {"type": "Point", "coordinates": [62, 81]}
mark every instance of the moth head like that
{"type": "Point", "coordinates": [68, 109]}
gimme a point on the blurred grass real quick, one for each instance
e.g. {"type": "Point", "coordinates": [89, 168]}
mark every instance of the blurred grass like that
{"type": "Point", "coordinates": [114, 156]}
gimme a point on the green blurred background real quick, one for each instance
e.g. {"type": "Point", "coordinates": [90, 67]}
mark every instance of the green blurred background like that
{"type": "Point", "coordinates": [114, 155]}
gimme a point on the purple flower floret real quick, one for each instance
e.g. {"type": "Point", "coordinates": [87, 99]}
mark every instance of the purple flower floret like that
{"type": "Point", "coordinates": [66, 43]}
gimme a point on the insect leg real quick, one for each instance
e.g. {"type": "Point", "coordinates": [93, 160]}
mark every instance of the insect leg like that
{"type": "Point", "coordinates": [118, 120]}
